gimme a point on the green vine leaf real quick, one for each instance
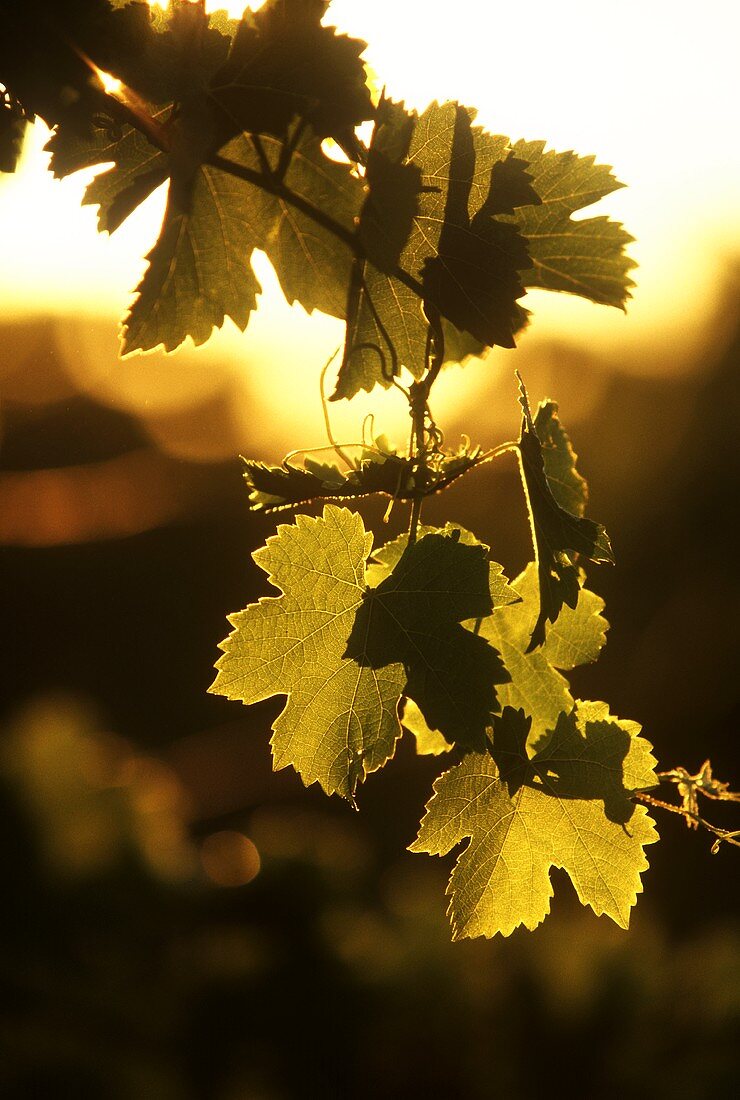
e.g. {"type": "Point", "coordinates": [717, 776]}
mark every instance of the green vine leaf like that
{"type": "Point", "coordinates": [385, 558]}
{"type": "Point", "coordinates": [340, 721]}
{"type": "Point", "coordinates": [584, 257]}
{"type": "Point", "coordinates": [568, 806]}
{"type": "Point", "coordinates": [413, 615]}
{"type": "Point", "coordinates": [556, 532]}
{"type": "Point", "coordinates": [429, 742]}
{"type": "Point", "coordinates": [273, 488]}
{"type": "Point", "coordinates": [536, 686]}
{"type": "Point", "coordinates": [429, 738]}
{"type": "Point", "coordinates": [345, 654]}
{"type": "Point", "coordinates": [568, 487]}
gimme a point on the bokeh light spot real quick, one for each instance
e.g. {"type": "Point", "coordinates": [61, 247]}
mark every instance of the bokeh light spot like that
{"type": "Point", "coordinates": [229, 858]}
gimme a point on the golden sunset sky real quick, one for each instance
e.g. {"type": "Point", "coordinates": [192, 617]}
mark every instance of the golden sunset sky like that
{"type": "Point", "coordinates": [651, 88]}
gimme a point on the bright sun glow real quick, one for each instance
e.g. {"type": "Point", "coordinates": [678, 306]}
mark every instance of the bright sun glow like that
{"type": "Point", "coordinates": [650, 88]}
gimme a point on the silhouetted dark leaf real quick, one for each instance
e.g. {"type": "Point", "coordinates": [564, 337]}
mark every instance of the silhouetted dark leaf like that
{"type": "Point", "coordinates": [473, 281]}
{"type": "Point", "coordinates": [13, 124]}
{"type": "Point", "coordinates": [414, 616]}
{"type": "Point", "coordinates": [394, 184]}
{"type": "Point", "coordinates": [311, 262]}
{"type": "Point", "coordinates": [556, 532]}
{"type": "Point", "coordinates": [463, 254]}
{"type": "Point", "coordinates": [283, 63]}
{"type": "Point", "coordinates": [199, 271]}
{"type": "Point", "coordinates": [138, 166]}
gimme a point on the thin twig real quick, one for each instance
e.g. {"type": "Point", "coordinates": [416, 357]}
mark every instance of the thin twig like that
{"type": "Point", "coordinates": [726, 836]}
{"type": "Point", "coordinates": [325, 410]}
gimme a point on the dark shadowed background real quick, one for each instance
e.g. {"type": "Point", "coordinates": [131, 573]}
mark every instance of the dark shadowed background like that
{"type": "Point", "coordinates": [180, 921]}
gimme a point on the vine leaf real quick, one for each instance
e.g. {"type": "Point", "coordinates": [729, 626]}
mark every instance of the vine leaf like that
{"type": "Point", "coordinates": [536, 686]}
{"type": "Point", "coordinates": [474, 278]}
{"type": "Point", "coordinates": [385, 558]}
{"type": "Point", "coordinates": [568, 806]}
{"type": "Point", "coordinates": [345, 654]}
{"type": "Point", "coordinates": [312, 264]}
{"type": "Point", "coordinates": [138, 166]}
{"type": "Point", "coordinates": [284, 63]}
{"type": "Point", "coordinates": [339, 723]}
{"type": "Point", "coordinates": [429, 742]}
{"type": "Point", "coordinates": [394, 183]}
{"type": "Point", "coordinates": [199, 271]}
{"type": "Point", "coordinates": [465, 254]}
{"type": "Point", "coordinates": [429, 737]}
{"type": "Point", "coordinates": [385, 324]}
{"type": "Point", "coordinates": [377, 470]}
{"type": "Point", "coordinates": [167, 55]}
{"type": "Point", "coordinates": [555, 531]}
{"type": "Point", "coordinates": [584, 257]}
{"type": "Point", "coordinates": [413, 615]}
{"type": "Point", "coordinates": [569, 488]}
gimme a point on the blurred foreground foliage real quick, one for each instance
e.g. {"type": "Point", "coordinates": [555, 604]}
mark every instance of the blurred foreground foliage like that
{"type": "Point", "coordinates": [128, 973]}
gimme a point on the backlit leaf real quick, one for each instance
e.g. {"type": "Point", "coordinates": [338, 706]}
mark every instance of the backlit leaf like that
{"type": "Point", "coordinates": [462, 252]}
{"type": "Point", "coordinates": [199, 271]}
{"type": "Point", "coordinates": [138, 167]}
{"type": "Point", "coordinates": [345, 654]}
{"type": "Point", "coordinates": [429, 742]}
{"type": "Point", "coordinates": [536, 686]}
{"type": "Point", "coordinates": [311, 262]}
{"type": "Point", "coordinates": [414, 615]}
{"type": "Point", "coordinates": [584, 257]}
{"type": "Point", "coordinates": [568, 806]}
{"type": "Point", "coordinates": [339, 723]}
{"type": "Point", "coordinates": [275, 487]}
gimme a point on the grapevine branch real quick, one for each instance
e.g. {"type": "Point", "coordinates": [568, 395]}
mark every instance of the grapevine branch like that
{"type": "Point", "coordinates": [320, 641]}
{"type": "Point", "coordinates": [689, 788]}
